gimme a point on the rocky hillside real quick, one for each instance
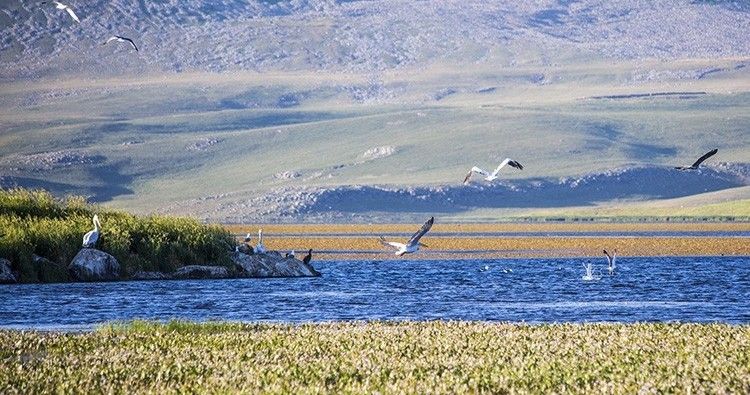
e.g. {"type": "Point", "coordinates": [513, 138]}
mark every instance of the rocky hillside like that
{"type": "Point", "coordinates": [358, 36]}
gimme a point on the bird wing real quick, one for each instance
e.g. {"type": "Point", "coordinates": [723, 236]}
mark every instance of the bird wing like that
{"type": "Point", "coordinates": [421, 232]}
{"type": "Point", "coordinates": [391, 244]}
{"type": "Point", "coordinates": [72, 14]}
{"type": "Point", "coordinates": [516, 164]}
{"type": "Point", "coordinates": [480, 171]}
{"type": "Point", "coordinates": [109, 40]}
{"type": "Point", "coordinates": [466, 179]}
{"type": "Point", "coordinates": [131, 43]}
{"type": "Point", "coordinates": [90, 238]}
{"type": "Point", "coordinates": [609, 257]}
{"type": "Point", "coordinates": [705, 156]}
{"type": "Point", "coordinates": [500, 166]}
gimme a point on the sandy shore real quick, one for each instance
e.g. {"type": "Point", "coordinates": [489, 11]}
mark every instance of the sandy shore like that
{"type": "Point", "coordinates": [457, 241]}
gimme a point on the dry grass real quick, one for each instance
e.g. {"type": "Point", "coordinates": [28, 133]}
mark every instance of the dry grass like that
{"type": "Point", "coordinates": [409, 357]}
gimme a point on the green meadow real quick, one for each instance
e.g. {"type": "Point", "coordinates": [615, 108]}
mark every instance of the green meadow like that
{"type": "Point", "coordinates": [377, 357]}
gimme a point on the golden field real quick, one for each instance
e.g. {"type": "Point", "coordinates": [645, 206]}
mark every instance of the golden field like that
{"type": "Point", "coordinates": [378, 357]}
{"type": "Point", "coordinates": [360, 241]}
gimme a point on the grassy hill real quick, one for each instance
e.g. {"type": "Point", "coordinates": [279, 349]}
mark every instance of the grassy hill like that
{"type": "Point", "coordinates": [204, 130]}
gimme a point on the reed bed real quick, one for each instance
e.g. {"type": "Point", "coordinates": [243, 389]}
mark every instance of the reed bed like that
{"type": "Point", "coordinates": [379, 357]}
{"type": "Point", "coordinates": [496, 227]}
{"type": "Point", "coordinates": [540, 246]}
{"type": "Point", "coordinates": [36, 223]}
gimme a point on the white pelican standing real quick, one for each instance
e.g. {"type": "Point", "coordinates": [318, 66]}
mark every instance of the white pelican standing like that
{"type": "Point", "coordinates": [700, 160]}
{"type": "Point", "coordinates": [61, 6]}
{"type": "Point", "coordinates": [413, 244]}
{"type": "Point", "coordinates": [90, 238]}
{"type": "Point", "coordinates": [493, 176]}
{"type": "Point", "coordinates": [260, 248]}
{"type": "Point", "coordinates": [611, 260]}
{"type": "Point", "coordinates": [121, 39]}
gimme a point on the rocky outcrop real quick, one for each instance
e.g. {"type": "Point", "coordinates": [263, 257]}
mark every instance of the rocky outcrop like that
{"type": "Point", "coordinates": [143, 275]}
{"type": "Point", "coordinates": [271, 264]}
{"type": "Point", "coordinates": [94, 265]}
{"type": "Point", "coordinates": [6, 272]}
{"type": "Point", "coordinates": [200, 272]}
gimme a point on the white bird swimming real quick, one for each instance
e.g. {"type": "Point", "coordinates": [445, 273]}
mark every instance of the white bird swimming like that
{"type": "Point", "coordinates": [90, 238]}
{"type": "Point", "coordinates": [413, 244]}
{"type": "Point", "coordinates": [121, 39]}
{"type": "Point", "coordinates": [611, 260]}
{"type": "Point", "coordinates": [260, 248]}
{"type": "Point", "coordinates": [61, 6]}
{"type": "Point", "coordinates": [493, 176]}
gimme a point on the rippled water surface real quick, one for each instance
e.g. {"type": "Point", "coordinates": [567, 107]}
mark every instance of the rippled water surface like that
{"type": "Point", "coordinates": [531, 290]}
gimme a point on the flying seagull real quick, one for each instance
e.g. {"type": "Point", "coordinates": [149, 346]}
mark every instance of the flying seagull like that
{"type": "Point", "coordinates": [700, 160]}
{"type": "Point", "coordinates": [611, 260]}
{"type": "Point", "coordinates": [61, 6]}
{"type": "Point", "coordinates": [413, 244]}
{"type": "Point", "coordinates": [90, 238]}
{"type": "Point", "coordinates": [493, 176]}
{"type": "Point", "coordinates": [121, 39]}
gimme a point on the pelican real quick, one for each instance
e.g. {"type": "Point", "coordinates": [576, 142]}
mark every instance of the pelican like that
{"type": "Point", "coordinates": [700, 160]}
{"type": "Point", "coordinates": [611, 260]}
{"type": "Point", "coordinates": [413, 244]}
{"type": "Point", "coordinates": [308, 257]}
{"type": "Point", "coordinates": [121, 39]}
{"type": "Point", "coordinates": [260, 248]}
{"type": "Point", "coordinates": [61, 6]}
{"type": "Point", "coordinates": [493, 176]}
{"type": "Point", "coordinates": [90, 238]}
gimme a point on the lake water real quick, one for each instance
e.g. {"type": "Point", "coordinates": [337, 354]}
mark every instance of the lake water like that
{"type": "Point", "coordinates": [516, 290]}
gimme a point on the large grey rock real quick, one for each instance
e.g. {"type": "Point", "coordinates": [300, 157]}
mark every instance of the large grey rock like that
{"type": "Point", "coordinates": [143, 275]}
{"type": "Point", "coordinates": [201, 272]}
{"type": "Point", "coordinates": [94, 265]}
{"type": "Point", "coordinates": [6, 272]}
{"type": "Point", "coordinates": [271, 264]}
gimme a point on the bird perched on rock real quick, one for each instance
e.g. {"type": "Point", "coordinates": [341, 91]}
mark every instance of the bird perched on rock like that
{"type": "Point", "coordinates": [307, 257]}
{"type": "Point", "coordinates": [90, 238]}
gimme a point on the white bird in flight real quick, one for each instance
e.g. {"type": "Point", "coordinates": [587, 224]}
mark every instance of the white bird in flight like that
{"type": "Point", "coordinates": [611, 260]}
{"type": "Point", "coordinates": [413, 244]}
{"type": "Point", "coordinates": [260, 248]}
{"type": "Point", "coordinates": [493, 176]}
{"type": "Point", "coordinates": [61, 6]}
{"type": "Point", "coordinates": [90, 238]}
{"type": "Point", "coordinates": [121, 39]}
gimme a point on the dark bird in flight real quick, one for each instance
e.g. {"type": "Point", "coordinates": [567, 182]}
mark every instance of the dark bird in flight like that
{"type": "Point", "coordinates": [121, 39]}
{"type": "Point", "coordinates": [700, 160]}
{"type": "Point", "coordinates": [307, 257]}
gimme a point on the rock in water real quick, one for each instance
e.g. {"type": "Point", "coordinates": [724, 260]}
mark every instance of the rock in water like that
{"type": "Point", "coordinates": [94, 265]}
{"type": "Point", "coordinates": [201, 272]}
{"type": "Point", "coordinates": [271, 264]}
{"type": "Point", "coordinates": [6, 272]}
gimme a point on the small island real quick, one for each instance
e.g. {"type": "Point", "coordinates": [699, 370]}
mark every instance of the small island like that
{"type": "Point", "coordinates": [41, 242]}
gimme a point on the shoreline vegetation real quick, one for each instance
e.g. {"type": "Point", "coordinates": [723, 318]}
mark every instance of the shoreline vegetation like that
{"type": "Point", "coordinates": [34, 225]}
{"type": "Point", "coordinates": [379, 357]}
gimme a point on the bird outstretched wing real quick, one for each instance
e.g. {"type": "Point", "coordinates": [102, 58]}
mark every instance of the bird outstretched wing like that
{"type": "Point", "coordinates": [705, 156]}
{"type": "Point", "coordinates": [390, 244]}
{"type": "Point", "coordinates": [609, 257]}
{"type": "Point", "coordinates": [421, 232]}
{"type": "Point", "coordinates": [507, 161]}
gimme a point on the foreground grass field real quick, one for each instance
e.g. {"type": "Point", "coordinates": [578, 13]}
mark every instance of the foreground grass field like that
{"type": "Point", "coordinates": [413, 357]}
